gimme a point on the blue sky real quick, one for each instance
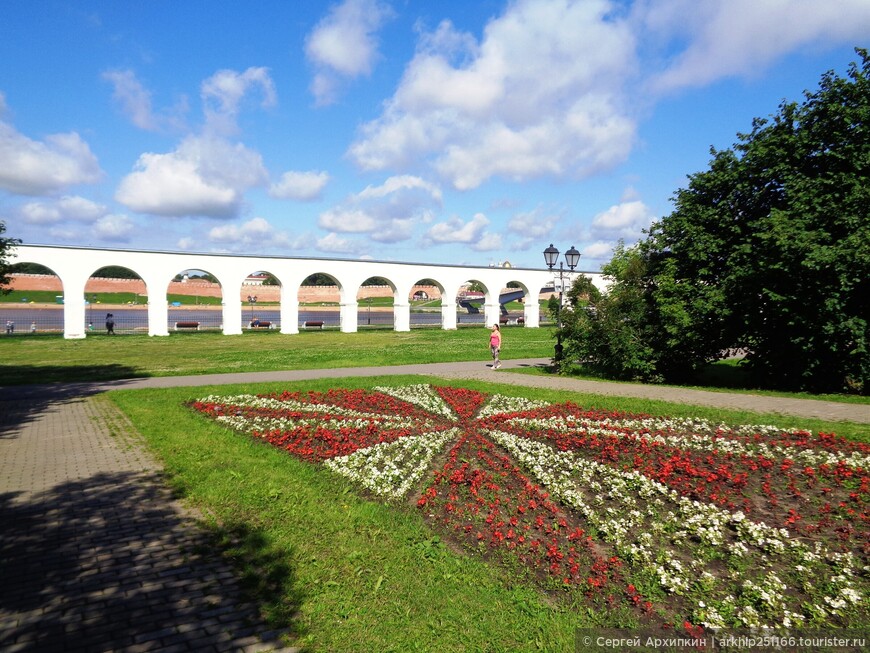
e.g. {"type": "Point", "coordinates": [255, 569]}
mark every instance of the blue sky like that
{"type": "Point", "coordinates": [447, 132]}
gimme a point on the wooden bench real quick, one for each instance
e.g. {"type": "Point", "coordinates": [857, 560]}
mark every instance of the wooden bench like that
{"type": "Point", "coordinates": [506, 320]}
{"type": "Point", "coordinates": [313, 324]}
{"type": "Point", "coordinates": [187, 325]}
{"type": "Point", "coordinates": [262, 324]}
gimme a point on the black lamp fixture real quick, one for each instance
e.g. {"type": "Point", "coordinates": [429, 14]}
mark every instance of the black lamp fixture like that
{"type": "Point", "coordinates": [572, 258]}
{"type": "Point", "coordinates": [252, 299]}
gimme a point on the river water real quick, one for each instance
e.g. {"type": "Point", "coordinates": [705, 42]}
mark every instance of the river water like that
{"type": "Point", "coordinates": [135, 319]}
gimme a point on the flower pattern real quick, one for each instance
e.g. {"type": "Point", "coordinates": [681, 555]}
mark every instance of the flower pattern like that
{"type": "Point", "coordinates": [680, 521]}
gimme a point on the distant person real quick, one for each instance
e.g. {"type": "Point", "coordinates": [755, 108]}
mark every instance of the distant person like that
{"type": "Point", "coordinates": [110, 324]}
{"type": "Point", "coordinates": [10, 327]}
{"type": "Point", "coordinates": [33, 327]}
{"type": "Point", "coordinates": [495, 345]}
{"type": "Point", "coordinates": [255, 322]}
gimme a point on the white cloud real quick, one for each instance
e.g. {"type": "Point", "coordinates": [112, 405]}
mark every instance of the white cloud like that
{"type": "Point", "coordinates": [489, 242]}
{"type": "Point", "coordinates": [343, 45]}
{"type": "Point", "coordinates": [255, 233]}
{"type": "Point", "coordinates": [600, 252]}
{"type": "Point", "coordinates": [531, 99]}
{"type": "Point", "coordinates": [533, 227]}
{"type": "Point", "coordinates": [204, 176]}
{"type": "Point", "coordinates": [68, 207]}
{"type": "Point", "coordinates": [388, 213]}
{"type": "Point", "coordinates": [302, 186]}
{"type": "Point", "coordinates": [743, 37]}
{"type": "Point", "coordinates": [347, 220]}
{"type": "Point", "coordinates": [626, 220]}
{"type": "Point", "coordinates": [114, 228]}
{"type": "Point", "coordinates": [457, 231]}
{"type": "Point", "coordinates": [135, 102]}
{"type": "Point", "coordinates": [207, 174]}
{"type": "Point", "coordinates": [223, 92]}
{"type": "Point", "coordinates": [334, 244]}
{"type": "Point", "coordinates": [29, 167]}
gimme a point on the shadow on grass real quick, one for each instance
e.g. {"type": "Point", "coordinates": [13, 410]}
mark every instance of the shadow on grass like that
{"type": "Point", "coordinates": [16, 375]}
{"type": "Point", "coordinates": [109, 563]}
{"type": "Point", "coordinates": [19, 404]}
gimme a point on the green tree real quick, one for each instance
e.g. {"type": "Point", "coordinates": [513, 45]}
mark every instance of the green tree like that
{"type": "Point", "coordinates": [769, 250]}
{"type": "Point", "coordinates": [115, 272]}
{"type": "Point", "coordinates": [30, 268]}
{"type": "Point", "coordinates": [375, 281]}
{"type": "Point", "coordinates": [319, 279]}
{"type": "Point", "coordinates": [611, 334]}
{"type": "Point", "coordinates": [5, 245]}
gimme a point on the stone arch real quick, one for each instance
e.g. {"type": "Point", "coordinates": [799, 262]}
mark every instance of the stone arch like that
{"type": "Point", "coordinates": [195, 300]}
{"type": "Point", "coordinates": [116, 304]}
{"type": "Point", "coordinates": [321, 304]}
{"type": "Point", "coordinates": [260, 295]}
{"type": "Point", "coordinates": [37, 300]}
{"type": "Point", "coordinates": [516, 292]}
{"type": "Point", "coordinates": [376, 292]}
{"type": "Point", "coordinates": [426, 300]}
{"type": "Point", "coordinates": [477, 303]}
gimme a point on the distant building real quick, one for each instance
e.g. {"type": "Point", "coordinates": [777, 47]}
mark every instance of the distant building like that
{"type": "Point", "coordinates": [256, 279]}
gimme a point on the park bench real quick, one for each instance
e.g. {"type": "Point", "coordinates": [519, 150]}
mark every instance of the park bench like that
{"type": "Point", "coordinates": [187, 325]}
{"type": "Point", "coordinates": [313, 324]}
{"type": "Point", "coordinates": [506, 320]}
{"type": "Point", "coordinates": [262, 324]}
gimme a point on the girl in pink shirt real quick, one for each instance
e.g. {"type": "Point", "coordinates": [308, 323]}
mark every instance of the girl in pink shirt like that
{"type": "Point", "coordinates": [495, 345]}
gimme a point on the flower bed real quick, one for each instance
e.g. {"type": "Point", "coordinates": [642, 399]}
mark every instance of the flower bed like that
{"type": "Point", "coordinates": [671, 521]}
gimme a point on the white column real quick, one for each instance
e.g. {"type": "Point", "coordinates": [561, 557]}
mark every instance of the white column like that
{"type": "Point", "coordinates": [289, 313]}
{"type": "Point", "coordinates": [448, 314]}
{"type": "Point", "coordinates": [232, 315]}
{"type": "Point", "coordinates": [158, 314]}
{"type": "Point", "coordinates": [491, 314]}
{"type": "Point", "coordinates": [531, 310]}
{"type": "Point", "coordinates": [74, 327]}
{"type": "Point", "coordinates": [401, 316]}
{"type": "Point", "coordinates": [349, 317]}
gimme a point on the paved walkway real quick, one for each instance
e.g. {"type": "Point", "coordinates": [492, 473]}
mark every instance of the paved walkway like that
{"type": "Point", "coordinates": [97, 555]}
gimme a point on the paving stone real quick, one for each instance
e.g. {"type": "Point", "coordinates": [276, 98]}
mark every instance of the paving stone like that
{"type": "Point", "coordinates": [96, 554]}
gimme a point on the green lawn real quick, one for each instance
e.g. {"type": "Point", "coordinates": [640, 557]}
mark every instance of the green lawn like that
{"type": "Point", "coordinates": [43, 359]}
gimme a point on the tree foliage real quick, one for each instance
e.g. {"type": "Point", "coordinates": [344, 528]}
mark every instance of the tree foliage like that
{"type": "Point", "coordinates": [610, 334]}
{"type": "Point", "coordinates": [115, 272]}
{"type": "Point", "coordinates": [319, 279]}
{"type": "Point", "coordinates": [375, 281]}
{"type": "Point", "coordinates": [767, 251]}
{"type": "Point", "coordinates": [30, 268]}
{"type": "Point", "coordinates": [5, 245]}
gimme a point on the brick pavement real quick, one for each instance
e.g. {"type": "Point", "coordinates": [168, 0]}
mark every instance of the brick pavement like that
{"type": "Point", "coordinates": [96, 555]}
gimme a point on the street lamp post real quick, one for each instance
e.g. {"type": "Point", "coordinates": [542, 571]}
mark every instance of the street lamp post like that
{"type": "Point", "coordinates": [572, 258]}
{"type": "Point", "coordinates": [91, 311]}
{"type": "Point", "coordinates": [252, 299]}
